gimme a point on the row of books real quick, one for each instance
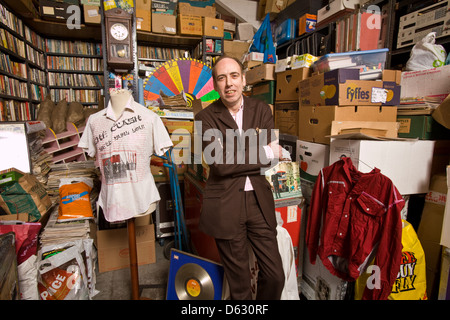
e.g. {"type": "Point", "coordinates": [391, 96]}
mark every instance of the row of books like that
{"type": "Point", "coordinates": [10, 20]}
{"type": "Point", "coordinates": [360, 30]}
{"type": "Point", "coordinates": [74, 63]}
{"type": "Point", "coordinates": [11, 110]}
{"type": "Point", "coordinates": [16, 68]}
{"type": "Point", "coordinates": [34, 38]}
{"type": "Point", "coordinates": [38, 92]}
{"type": "Point", "coordinates": [75, 80]}
{"type": "Point", "coordinates": [73, 47]}
{"type": "Point", "coordinates": [37, 75]}
{"type": "Point", "coordinates": [159, 53]}
{"type": "Point", "coordinates": [35, 56]}
{"type": "Point", "coordinates": [13, 87]}
{"type": "Point", "coordinates": [12, 43]}
{"type": "Point", "coordinates": [70, 95]}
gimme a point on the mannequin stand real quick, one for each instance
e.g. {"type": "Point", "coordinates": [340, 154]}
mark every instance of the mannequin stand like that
{"type": "Point", "coordinates": [133, 259]}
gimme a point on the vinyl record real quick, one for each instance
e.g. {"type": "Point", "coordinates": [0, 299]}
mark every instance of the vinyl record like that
{"type": "Point", "coordinates": [192, 282]}
{"type": "Point", "coordinates": [194, 278]}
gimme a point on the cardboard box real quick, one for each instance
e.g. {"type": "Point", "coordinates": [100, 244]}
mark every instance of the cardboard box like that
{"type": "Point", "coordinates": [190, 25]}
{"type": "Point", "coordinates": [445, 235]}
{"type": "Point", "coordinates": [164, 23]}
{"type": "Point", "coordinates": [92, 14]}
{"type": "Point", "coordinates": [312, 157]}
{"type": "Point", "coordinates": [392, 75]}
{"type": "Point", "coordinates": [363, 129]}
{"type": "Point", "coordinates": [334, 8]}
{"type": "Point", "coordinates": [307, 23]}
{"type": "Point", "coordinates": [430, 82]}
{"type": "Point", "coordinates": [406, 163]}
{"type": "Point", "coordinates": [165, 6]}
{"type": "Point", "coordinates": [199, 3]}
{"type": "Point", "coordinates": [245, 31]}
{"type": "Point", "coordinates": [302, 61]}
{"type": "Point", "coordinates": [54, 10]}
{"type": "Point", "coordinates": [343, 87]}
{"type": "Point", "coordinates": [287, 83]}
{"type": "Point", "coordinates": [264, 91]}
{"type": "Point", "coordinates": [442, 113]}
{"type": "Point", "coordinates": [286, 117]}
{"type": "Point", "coordinates": [143, 15]}
{"type": "Point", "coordinates": [444, 283]}
{"type": "Point", "coordinates": [212, 27]}
{"type": "Point", "coordinates": [421, 127]}
{"type": "Point", "coordinates": [429, 231]}
{"type": "Point", "coordinates": [235, 48]}
{"type": "Point", "coordinates": [189, 10]}
{"type": "Point", "coordinates": [275, 6]}
{"type": "Point", "coordinates": [261, 73]}
{"type": "Point", "coordinates": [112, 247]}
{"type": "Point", "coordinates": [315, 122]}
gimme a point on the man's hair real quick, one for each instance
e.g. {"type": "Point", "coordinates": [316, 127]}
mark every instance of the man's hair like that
{"type": "Point", "coordinates": [241, 66]}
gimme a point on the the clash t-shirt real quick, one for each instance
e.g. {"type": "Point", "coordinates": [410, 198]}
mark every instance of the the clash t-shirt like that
{"type": "Point", "coordinates": [123, 148]}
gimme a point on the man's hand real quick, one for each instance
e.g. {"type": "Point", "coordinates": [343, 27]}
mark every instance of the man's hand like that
{"type": "Point", "coordinates": [276, 149]}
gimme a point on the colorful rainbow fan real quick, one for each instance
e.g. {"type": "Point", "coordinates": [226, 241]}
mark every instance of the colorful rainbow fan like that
{"type": "Point", "coordinates": [181, 75]}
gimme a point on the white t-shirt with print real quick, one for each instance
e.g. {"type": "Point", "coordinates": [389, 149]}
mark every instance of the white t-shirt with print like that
{"type": "Point", "coordinates": [124, 148]}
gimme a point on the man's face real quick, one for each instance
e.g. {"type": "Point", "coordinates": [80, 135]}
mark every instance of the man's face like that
{"type": "Point", "coordinates": [229, 82]}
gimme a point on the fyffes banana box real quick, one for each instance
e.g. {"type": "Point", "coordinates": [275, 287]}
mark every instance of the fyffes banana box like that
{"type": "Point", "coordinates": [342, 87]}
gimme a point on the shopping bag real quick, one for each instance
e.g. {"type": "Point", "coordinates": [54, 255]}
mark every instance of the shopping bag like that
{"type": "Point", "coordinates": [426, 54]}
{"type": "Point", "coordinates": [26, 237]}
{"type": "Point", "coordinates": [263, 42]}
{"type": "Point", "coordinates": [411, 279]}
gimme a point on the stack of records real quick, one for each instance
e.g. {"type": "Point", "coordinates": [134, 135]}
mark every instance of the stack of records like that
{"type": "Point", "coordinates": [77, 169]}
{"type": "Point", "coordinates": [60, 232]}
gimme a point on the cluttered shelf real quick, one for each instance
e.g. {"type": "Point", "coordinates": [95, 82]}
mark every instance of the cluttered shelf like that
{"type": "Point", "coordinates": [161, 39]}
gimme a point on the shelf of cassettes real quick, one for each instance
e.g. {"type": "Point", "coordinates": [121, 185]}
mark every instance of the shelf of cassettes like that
{"type": "Point", "coordinates": [64, 146]}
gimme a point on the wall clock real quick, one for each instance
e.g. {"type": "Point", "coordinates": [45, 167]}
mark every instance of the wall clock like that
{"type": "Point", "coordinates": [119, 42]}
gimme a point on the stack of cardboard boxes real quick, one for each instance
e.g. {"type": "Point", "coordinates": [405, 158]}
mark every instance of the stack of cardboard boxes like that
{"type": "Point", "coordinates": [184, 17]}
{"type": "Point", "coordinates": [333, 101]}
{"type": "Point", "coordinates": [286, 99]}
{"type": "Point", "coordinates": [261, 77]}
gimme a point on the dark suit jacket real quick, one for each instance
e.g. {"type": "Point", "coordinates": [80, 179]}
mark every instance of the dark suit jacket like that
{"type": "Point", "coordinates": [223, 194]}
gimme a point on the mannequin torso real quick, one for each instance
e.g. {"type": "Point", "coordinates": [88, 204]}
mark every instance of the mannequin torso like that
{"type": "Point", "coordinates": [119, 100]}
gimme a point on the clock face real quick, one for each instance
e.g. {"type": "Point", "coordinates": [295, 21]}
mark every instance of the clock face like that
{"type": "Point", "coordinates": [119, 31]}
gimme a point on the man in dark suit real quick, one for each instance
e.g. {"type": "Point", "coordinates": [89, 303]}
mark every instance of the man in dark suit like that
{"type": "Point", "coordinates": [238, 207]}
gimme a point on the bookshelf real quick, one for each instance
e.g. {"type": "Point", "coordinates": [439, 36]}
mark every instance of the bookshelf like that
{"type": "Point", "coordinates": [74, 71]}
{"type": "Point", "coordinates": [209, 49]}
{"type": "Point", "coordinates": [152, 56]}
{"type": "Point", "coordinates": [14, 102]}
{"type": "Point", "coordinates": [324, 39]}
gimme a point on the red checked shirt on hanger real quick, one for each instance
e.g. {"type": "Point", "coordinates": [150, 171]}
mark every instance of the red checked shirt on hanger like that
{"type": "Point", "coordinates": [357, 217]}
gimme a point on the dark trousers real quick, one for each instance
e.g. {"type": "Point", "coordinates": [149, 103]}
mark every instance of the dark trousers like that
{"type": "Point", "coordinates": [235, 256]}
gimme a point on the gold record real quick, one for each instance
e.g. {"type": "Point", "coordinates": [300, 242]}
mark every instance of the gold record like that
{"type": "Point", "coordinates": [192, 282]}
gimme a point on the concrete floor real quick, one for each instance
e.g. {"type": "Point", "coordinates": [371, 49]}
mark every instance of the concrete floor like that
{"type": "Point", "coordinates": [116, 285]}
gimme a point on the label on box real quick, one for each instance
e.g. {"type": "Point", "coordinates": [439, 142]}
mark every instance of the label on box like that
{"type": "Point", "coordinates": [436, 198]}
{"type": "Point", "coordinates": [379, 95]}
{"type": "Point", "coordinates": [291, 214]}
{"type": "Point", "coordinates": [405, 125]}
